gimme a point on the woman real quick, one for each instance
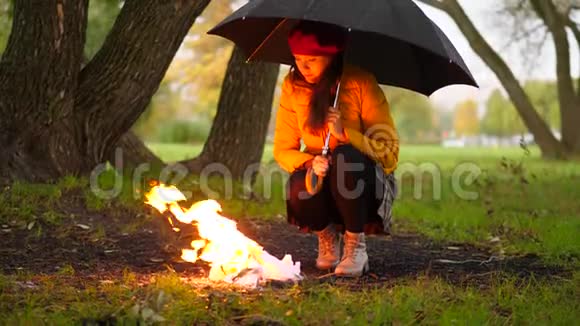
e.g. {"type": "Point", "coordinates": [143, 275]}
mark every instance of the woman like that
{"type": "Point", "coordinates": [358, 184]}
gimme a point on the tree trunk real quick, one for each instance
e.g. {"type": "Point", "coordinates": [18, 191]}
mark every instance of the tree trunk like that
{"type": "Point", "coordinates": [548, 144]}
{"type": "Point", "coordinates": [38, 78]}
{"type": "Point", "coordinates": [117, 85]}
{"type": "Point", "coordinates": [132, 152]}
{"type": "Point", "coordinates": [569, 100]}
{"type": "Point", "coordinates": [238, 133]}
{"type": "Point", "coordinates": [576, 32]}
{"type": "Point", "coordinates": [59, 119]}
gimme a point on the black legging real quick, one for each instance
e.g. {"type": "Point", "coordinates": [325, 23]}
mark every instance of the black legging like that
{"type": "Point", "coordinates": [350, 193]}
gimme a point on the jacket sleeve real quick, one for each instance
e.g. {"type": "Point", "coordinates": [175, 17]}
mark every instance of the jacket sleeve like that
{"type": "Point", "coordinates": [380, 140]}
{"type": "Point", "coordinates": [287, 134]}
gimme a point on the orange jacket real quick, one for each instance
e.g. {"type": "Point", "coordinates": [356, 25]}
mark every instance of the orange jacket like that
{"type": "Point", "coordinates": [365, 116]}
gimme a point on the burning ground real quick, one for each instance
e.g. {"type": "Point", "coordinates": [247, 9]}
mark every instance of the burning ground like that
{"type": "Point", "coordinates": [68, 254]}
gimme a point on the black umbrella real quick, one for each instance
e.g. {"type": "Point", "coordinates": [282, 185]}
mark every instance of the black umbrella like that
{"type": "Point", "coordinates": [393, 39]}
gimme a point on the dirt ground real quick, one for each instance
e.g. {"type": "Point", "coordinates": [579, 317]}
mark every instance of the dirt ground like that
{"type": "Point", "coordinates": [105, 249]}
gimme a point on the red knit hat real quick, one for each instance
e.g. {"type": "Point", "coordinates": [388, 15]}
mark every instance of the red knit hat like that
{"type": "Point", "coordinates": [311, 38]}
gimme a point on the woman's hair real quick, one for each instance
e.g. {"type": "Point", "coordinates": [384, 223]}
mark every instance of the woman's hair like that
{"type": "Point", "coordinates": [323, 91]}
{"type": "Point", "coordinates": [322, 94]}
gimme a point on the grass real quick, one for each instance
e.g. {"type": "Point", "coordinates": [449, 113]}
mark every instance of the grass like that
{"type": "Point", "coordinates": [528, 203]}
{"type": "Point", "coordinates": [175, 152]}
{"type": "Point", "coordinates": [178, 152]}
{"type": "Point", "coordinates": [522, 203]}
{"type": "Point", "coordinates": [167, 297]}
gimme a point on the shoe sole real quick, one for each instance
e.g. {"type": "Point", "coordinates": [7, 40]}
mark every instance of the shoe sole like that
{"type": "Point", "coordinates": [323, 268]}
{"type": "Point", "coordinates": [364, 270]}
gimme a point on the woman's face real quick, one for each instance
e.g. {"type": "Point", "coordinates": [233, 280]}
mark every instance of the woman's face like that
{"type": "Point", "coordinates": [312, 66]}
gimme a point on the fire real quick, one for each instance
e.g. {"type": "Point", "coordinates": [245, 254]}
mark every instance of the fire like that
{"type": "Point", "coordinates": [233, 257]}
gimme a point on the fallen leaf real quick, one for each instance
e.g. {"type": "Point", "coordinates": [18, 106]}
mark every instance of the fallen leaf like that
{"type": "Point", "coordinates": [453, 248]}
{"type": "Point", "coordinates": [27, 285]}
{"type": "Point", "coordinates": [30, 225]}
{"type": "Point", "coordinates": [83, 226]}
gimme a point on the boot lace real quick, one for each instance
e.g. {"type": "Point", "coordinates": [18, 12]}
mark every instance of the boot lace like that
{"type": "Point", "coordinates": [350, 248]}
{"type": "Point", "coordinates": [326, 242]}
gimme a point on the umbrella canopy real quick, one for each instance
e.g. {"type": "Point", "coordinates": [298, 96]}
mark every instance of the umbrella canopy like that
{"type": "Point", "coordinates": [393, 39]}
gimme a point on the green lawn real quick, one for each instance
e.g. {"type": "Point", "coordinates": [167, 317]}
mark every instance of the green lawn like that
{"type": "Point", "coordinates": [167, 298]}
{"type": "Point", "coordinates": [176, 152]}
{"type": "Point", "coordinates": [522, 203]}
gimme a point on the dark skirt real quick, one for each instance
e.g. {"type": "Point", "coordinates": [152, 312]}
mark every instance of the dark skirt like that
{"type": "Point", "coordinates": [356, 195]}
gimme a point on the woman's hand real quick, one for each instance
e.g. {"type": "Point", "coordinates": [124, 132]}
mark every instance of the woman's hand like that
{"type": "Point", "coordinates": [320, 165]}
{"type": "Point", "coordinates": [335, 124]}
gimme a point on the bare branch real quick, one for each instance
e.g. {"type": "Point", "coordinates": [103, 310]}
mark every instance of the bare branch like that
{"type": "Point", "coordinates": [525, 34]}
{"type": "Point", "coordinates": [523, 28]}
{"type": "Point", "coordinates": [544, 137]}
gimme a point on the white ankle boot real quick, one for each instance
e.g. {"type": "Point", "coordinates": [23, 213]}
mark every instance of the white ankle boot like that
{"type": "Point", "coordinates": [328, 248]}
{"type": "Point", "coordinates": [355, 260]}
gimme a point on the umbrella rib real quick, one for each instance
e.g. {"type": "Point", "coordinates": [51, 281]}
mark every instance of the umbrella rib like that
{"type": "Point", "coordinates": [266, 40]}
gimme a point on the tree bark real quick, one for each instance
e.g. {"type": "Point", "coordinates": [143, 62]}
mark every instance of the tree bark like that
{"type": "Point", "coordinates": [576, 31]}
{"type": "Point", "coordinates": [548, 144]}
{"type": "Point", "coordinates": [117, 85]}
{"type": "Point", "coordinates": [59, 119]}
{"type": "Point", "coordinates": [38, 78]}
{"type": "Point", "coordinates": [569, 100]}
{"type": "Point", "coordinates": [238, 132]}
{"type": "Point", "coordinates": [133, 152]}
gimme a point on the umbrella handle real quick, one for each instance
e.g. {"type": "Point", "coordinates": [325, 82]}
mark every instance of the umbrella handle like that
{"type": "Point", "coordinates": [313, 182]}
{"type": "Point", "coordinates": [327, 140]}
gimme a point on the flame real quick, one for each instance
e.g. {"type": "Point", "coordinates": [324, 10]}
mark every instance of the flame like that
{"type": "Point", "coordinates": [233, 257]}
